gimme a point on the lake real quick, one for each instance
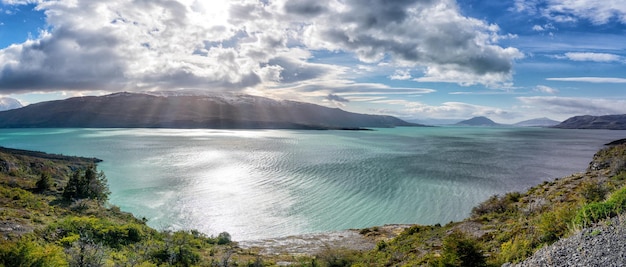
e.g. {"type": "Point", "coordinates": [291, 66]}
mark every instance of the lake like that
{"type": "Point", "coordinates": [269, 183]}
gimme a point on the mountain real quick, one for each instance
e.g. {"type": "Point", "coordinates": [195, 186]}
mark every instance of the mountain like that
{"type": "Point", "coordinates": [611, 122]}
{"type": "Point", "coordinates": [478, 121]}
{"type": "Point", "coordinates": [225, 111]}
{"type": "Point", "coordinates": [7, 103]}
{"type": "Point", "coordinates": [539, 122]}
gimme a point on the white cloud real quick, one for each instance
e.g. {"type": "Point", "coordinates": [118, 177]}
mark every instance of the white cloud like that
{"type": "Point", "coordinates": [589, 56]}
{"type": "Point", "coordinates": [401, 75]}
{"type": "Point", "coordinates": [589, 79]}
{"type": "Point", "coordinates": [573, 105]}
{"type": "Point", "coordinates": [447, 110]}
{"type": "Point", "coordinates": [598, 12]}
{"type": "Point", "coordinates": [546, 89]}
{"type": "Point", "coordinates": [234, 45]}
{"type": "Point", "coordinates": [545, 27]}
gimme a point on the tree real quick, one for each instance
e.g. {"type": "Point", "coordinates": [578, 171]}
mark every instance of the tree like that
{"type": "Point", "coordinates": [223, 238]}
{"type": "Point", "coordinates": [90, 184]}
{"type": "Point", "coordinates": [44, 182]}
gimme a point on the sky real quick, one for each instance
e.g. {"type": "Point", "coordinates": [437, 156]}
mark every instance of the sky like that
{"type": "Point", "coordinates": [509, 60]}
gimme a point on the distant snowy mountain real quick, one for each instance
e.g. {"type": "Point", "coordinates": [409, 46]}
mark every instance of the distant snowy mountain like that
{"type": "Point", "coordinates": [539, 122]}
{"type": "Point", "coordinates": [478, 121]}
{"type": "Point", "coordinates": [7, 103]}
{"type": "Point", "coordinates": [189, 110]}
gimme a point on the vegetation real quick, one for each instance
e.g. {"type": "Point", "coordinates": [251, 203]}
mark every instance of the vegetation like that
{"type": "Point", "coordinates": [58, 214]}
{"type": "Point", "coordinates": [89, 184]}
{"type": "Point", "coordinates": [54, 213]}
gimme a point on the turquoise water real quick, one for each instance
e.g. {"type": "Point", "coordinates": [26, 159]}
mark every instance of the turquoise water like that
{"type": "Point", "coordinates": [271, 183]}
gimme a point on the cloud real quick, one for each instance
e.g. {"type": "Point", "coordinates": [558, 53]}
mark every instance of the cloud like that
{"type": "Point", "coordinates": [545, 27]}
{"type": "Point", "coordinates": [546, 89]}
{"type": "Point", "coordinates": [447, 110]}
{"type": "Point", "coordinates": [7, 103]}
{"type": "Point", "coordinates": [573, 105]}
{"type": "Point", "coordinates": [336, 98]}
{"type": "Point", "coordinates": [430, 34]}
{"type": "Point", "coordinates": [589, 79]}
{"type": "Point", "coordinates": [589, 56]}
{"type": "Point", "coordinates": [401, 75]}
{"type": "Point", "coordinates": [239, 45]}
{"type": "Point", "coordinates": [597, 12]}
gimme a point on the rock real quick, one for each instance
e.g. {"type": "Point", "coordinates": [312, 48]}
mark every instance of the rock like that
{"type": "Point", "coordinates": [602, 245]}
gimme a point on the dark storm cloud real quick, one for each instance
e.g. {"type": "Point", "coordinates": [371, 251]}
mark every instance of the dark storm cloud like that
{"type": "Point", "coordinates": [305, 8]}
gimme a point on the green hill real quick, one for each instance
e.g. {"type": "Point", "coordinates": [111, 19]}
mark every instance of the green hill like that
{"type": "Point", "coordinates": [42, 225]}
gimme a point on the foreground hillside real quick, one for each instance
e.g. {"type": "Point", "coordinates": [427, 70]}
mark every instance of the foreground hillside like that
{"type": "Point", "coordinates": [42, 223]}
{"type": "Point", "coordinates": [135, 110]}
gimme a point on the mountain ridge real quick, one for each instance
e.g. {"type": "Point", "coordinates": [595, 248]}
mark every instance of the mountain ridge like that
{"type": "Point", "coordinates": [143, 110]}
{"type": "Point", "coordinates": [478, 121]}
{"type": "Point", "coordinates": [610, 122]}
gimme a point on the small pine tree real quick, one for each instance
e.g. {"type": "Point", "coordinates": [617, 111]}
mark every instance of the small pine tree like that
{"type": "Point", "coordinates": [71, 189]}
{"type": "Point", "coordinates": [44, 182]}
{"type": "Point", "coordinates": [92, 184]}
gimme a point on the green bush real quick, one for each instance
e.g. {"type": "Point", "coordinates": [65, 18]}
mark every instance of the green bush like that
{"type": "Point", "coordinates": [593, 192]}
{"type": "Point", "coordinates": [515, 250]}
{"type": "Point", "coordinates": [29, 253]}
{"type": "Point", "coordinates": [594, 212]}
{"type": "Point", "coordinates": [497, 204]}
{"type": "Point", "coordinates": [554, 224]}
{"type": "Point", "coordinates": [460, 250]}
{"type": "Point", "coordinates": [99, 230]}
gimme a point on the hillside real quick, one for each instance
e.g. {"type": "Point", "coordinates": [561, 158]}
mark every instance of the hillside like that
{"type": "Point", "coordinates": [477, 121]}
{"type": "Point", "coordinates": [133, 110]}
{"type": "Point", "coordinates": [611, 122]}
{"type": "Point", "coordinates": [40, 226]}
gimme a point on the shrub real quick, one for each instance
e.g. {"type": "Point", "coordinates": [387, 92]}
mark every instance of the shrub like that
{"type": "Point", "coordinates": [460, 250]}
{"type": "Point", "coordinates": [515, 250]}
{"type": "Point", "coordinates": [29, 253]}
{"type": "Point", "coordinates": [223, 238]}
{"type": "Point", "coordinates": [44, 183]}
{"type": "Point", "coordinates": [99, 230]}
{"type": "Point", "coordinates": [593, 192]}
{"type": "Point", "coordinates": [497, 204]}
{"type": "Point", "coordinates": [594, 212]}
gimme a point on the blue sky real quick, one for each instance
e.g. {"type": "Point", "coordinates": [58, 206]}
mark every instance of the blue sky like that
{"type": "Point", "coordinates": [415, 59]}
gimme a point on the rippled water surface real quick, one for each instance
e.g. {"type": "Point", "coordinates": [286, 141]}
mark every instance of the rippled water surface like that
{"type": "Point", "coordinates": [260, 184]}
